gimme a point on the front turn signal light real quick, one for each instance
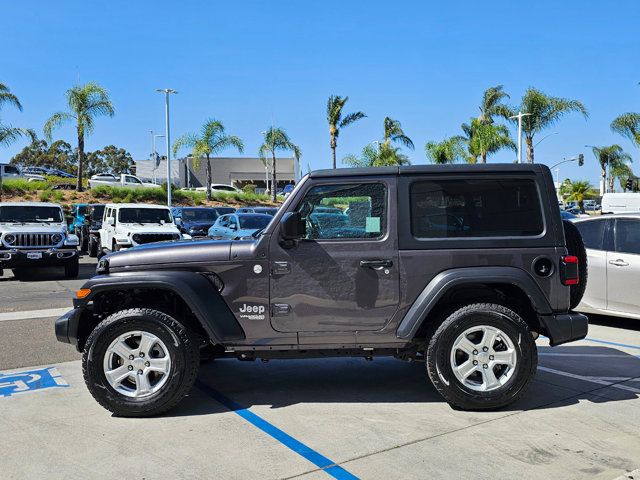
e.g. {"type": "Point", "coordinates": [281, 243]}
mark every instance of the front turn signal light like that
{"type": "Point", "coordinates": [83, 293]}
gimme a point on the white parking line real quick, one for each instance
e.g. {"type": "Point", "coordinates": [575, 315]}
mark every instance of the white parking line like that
{"type": "Point", "coordinates": [590, 379]}
{"type": "Point", "coordinates": [29, 314]}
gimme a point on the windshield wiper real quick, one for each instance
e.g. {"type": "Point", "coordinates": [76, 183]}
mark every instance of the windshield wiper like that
{"type": "Point", "coordinates": [257, 233]}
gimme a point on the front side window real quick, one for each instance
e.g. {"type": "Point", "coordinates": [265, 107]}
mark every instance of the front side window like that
{"type": "Point", "coordinates": [130, 179]}
{"type": "Point", "coordinates": [251, 222]}
{"type": "Point", "coordinates": [460, 208]}
{"type": "Point", "coordinates": [627, 236]}
{"type": "Point", "coordinates": [592, 233]}
{"type": "Point", "coordinates": [353, 211]}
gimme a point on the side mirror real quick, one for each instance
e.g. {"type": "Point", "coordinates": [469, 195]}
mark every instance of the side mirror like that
{"type": "Point", "coordinates": [233, 226]}
{"type": "Point", "coordinates": [111, 221]}
{"type": "Point", "coordinates": [177, 220]}
{"type": "Point", "coordinates": [292, 227]}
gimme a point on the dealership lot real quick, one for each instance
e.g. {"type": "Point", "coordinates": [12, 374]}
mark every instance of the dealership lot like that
{"type": "Point", "coordinates": [341, 418]}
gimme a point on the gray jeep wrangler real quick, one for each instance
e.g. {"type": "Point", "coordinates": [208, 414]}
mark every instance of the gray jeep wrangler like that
{"type": "Point", "coordinates": [460, 266]}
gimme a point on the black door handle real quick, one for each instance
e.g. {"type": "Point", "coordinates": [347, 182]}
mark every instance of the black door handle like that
{"type": "Point", "coordinates": [376, 264]}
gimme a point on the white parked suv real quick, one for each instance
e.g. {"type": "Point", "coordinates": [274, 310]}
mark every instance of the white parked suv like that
{"type": "Point", "coordinates": [34, 234]}
{"type": "Point", "coordinates": [127, 225]}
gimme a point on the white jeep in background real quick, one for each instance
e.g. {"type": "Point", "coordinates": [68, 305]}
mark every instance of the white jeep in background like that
{"type": "Point", "coordinates": [127, 225]}
{"type": "Point", "coordinates": [34, 234]}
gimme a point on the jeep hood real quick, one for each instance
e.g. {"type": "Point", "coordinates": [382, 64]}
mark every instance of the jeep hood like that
{"type": "Point", "coordinates": [170, 254]}
{"type": "Point", "coordinates": [33, 227]}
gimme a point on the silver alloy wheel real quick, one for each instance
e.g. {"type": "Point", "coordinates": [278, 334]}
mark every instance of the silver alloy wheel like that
{"type": "Point", "coordinates": [137, 364]}
{"type": "Point", "coordinates": [483, 358]}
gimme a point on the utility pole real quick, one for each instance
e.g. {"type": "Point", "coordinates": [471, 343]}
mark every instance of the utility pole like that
{"type": "Point", "coordinates": [167, 92]}
{"type": "Point", "coordinates": [519, 117]}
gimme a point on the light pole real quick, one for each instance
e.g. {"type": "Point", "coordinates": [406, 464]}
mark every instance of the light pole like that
{"type": "Point", "coordinates": [519, 117]}
{"type": "Point", "coordinates": [167, 92]}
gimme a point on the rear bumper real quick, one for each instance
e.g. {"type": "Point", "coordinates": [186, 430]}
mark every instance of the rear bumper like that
{"type": "Point", "coordinates": [48, 258]}
{"type": "Point", "coordinates": [66, 327]}
{"type": "Point", "coordinates": [565, 327]}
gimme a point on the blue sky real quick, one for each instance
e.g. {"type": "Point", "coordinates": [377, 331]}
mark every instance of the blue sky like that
{"type": "Point", "coordinates": [253, 64]}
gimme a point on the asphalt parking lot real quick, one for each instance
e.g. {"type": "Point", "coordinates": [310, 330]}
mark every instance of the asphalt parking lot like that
{"type": "Point", "coordinates": [340, 418]}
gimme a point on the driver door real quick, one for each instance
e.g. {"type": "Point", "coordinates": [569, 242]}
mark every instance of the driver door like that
{"type": "Point", "coordinates": [343, 276]}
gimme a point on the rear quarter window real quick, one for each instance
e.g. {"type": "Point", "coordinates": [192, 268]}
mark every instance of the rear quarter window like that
{"type": "Point", "coordinates": [468, 208]}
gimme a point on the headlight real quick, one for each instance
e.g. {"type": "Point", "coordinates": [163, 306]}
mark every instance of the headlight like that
{"type": "Point", "coordinates": [136, 238]}
{"type": "Point", "coordinates": [10, 239]}
{"type": "Point", "coordinates": [103, 266]}
{"type": "Point", "coordinates": [56, 238]}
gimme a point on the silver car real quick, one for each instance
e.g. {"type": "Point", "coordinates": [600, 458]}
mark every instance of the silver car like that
{"type": "Point", "coordinates": [613, 252]}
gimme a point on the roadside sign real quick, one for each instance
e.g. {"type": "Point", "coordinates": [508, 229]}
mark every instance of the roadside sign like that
{"type": "Point", "coordinates": [29, 381]}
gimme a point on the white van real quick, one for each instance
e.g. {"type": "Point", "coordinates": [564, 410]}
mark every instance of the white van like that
{"type": "Point", "coordinates": [621, 202]}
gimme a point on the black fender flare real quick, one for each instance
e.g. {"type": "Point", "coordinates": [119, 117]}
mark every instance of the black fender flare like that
{"type": "Point", "coordinates": [455, 277]}
{"type": "Point", "coordinates": [197, 291]}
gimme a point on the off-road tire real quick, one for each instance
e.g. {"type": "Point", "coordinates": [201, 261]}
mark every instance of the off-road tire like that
{"type": "Point", "coordinates": [575, 246]}
{"type": "Point", "coordinates": [72, 268]}
{"type": "Point", "coordinates": [17, 273]}
{"type": "Point", "coordinates": [439, 348]}
{"type": "Point", "coordinates": [84, 243]}
{"type": "Point", "coordinates": [92, 249]}
{"type": "Point", "coordinates": [183, 350]}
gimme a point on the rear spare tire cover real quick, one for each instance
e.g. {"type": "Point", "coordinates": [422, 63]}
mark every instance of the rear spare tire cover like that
{"type": "Point", "coordinates": [575, 246]}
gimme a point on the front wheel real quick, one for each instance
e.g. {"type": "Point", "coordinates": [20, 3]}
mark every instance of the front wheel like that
{"type": "Point", "coordinates": [93, 247]}
{"type": "Point", "coordinates": [72, 268]}
{"type": "Point", "coordinates": [140, 362]}
{"type": "Point", "coordinates": [482, 357]}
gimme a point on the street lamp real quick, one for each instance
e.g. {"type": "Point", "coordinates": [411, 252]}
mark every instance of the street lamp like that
{"type": "Point", "coordinates": [167, 92]}
{"type": "Point", "coordinates": [519, 117]}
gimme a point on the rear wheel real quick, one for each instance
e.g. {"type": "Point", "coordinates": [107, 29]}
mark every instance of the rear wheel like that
{"type": "Point", "coordinates": [93, 247]}
{"type": "Point", "coordinates": [481, 357]}
{"type": "Point", "coordinates": [84, 242]}
{"type": "Point", "coordinates": [575, 246]}
{"type": "Point", "coordinates": [140, 362]}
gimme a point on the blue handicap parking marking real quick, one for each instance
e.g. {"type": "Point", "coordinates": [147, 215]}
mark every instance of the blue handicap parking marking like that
{"type": "Point", "coordinates": [29, 381]}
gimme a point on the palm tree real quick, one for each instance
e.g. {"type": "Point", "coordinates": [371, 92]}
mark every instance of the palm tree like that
{"type": "Point", "coordinates": [276, 139]}
{"type": "Point", "coordinates": [628, 125]}
{"type": "Point", "coordinates": [492, 104]}
{"type": "Point", "coordinates": [211, 140]}
{"type": "Point", "coordinates": [9, 134]}
{"type": "Point", "coordinates": [449, 150]}
{"type": "Point", "coordinates": [393, 133]}
{"type": "Point", "coordinates": [622, 172]}
{"type": "Point", "coordinates": [85, 102]}
{"type": "Point", "coordinates": [335, 105]}
{"type": "Point", "coordinates": [610, 156]}
{"type": "Point", "coordinates": [489, 138]}
{"type": "Point", "coordinates": [544, 112]}
{"type": "Point", "coordinates": [579, 191]}
{"type": "Point", "coordinates": [383, 156]}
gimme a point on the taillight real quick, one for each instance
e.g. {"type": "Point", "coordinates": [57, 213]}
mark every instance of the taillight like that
{"type": "Point", "coordinates": [569, 274]}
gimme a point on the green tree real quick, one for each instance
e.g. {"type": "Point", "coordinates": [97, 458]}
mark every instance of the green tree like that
{"type": "Point", "coordinates": [612, 156]}
{"type": "Point", "coordinates": [484, 139]}
{"type": "Point", "coordinates": [337, 122]}
{"type": "Point", "coordinates": [383, 156]}
{"type": "Point", "coordinates": [492, 105]}
{"type": "Point", "coordinates": [85, 103]}
{"type": "Point", "coordinates": [628, 125]}
{"type": "Point", "coordinates": [212, 139]}
{"type": "Point", "coordinates": [59, 155]}
{"type": "Point", "coordinates": [393, 133]}
{"type": "Point", "coordinates": [109, 159]}
{"type": "Point", "coordinates": [621, 172]}
{"type": "Point", "coordinates": [545, 111]}
{"type": "Point", "coordinates": [276, 139]}
{"type": "Point", "coordinates": [580, 191]}
{"type": "Point", "coordinates": [449, 150]}
{"type": "Point", "coordinates": [9, 134]}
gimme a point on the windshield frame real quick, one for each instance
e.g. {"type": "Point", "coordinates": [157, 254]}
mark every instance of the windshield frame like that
{"type": "Point", "coordinates": [23, 208]}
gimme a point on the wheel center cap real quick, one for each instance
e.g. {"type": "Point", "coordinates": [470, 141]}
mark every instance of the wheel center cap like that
{"type": "Point", "coordinates": [138, 363]}
{"type": "Point", "coordinates": [483, 357]}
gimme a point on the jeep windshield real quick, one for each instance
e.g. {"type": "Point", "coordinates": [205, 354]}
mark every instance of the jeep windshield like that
{"type": "Point", "coordinates": [144, 215]}
{"type": "Point", "coordinates": [30, 214]}
{"type": "Point", "coordinates": [199, 215]}
{"type": "Point", "coordinates": [250, 222]}
{"type": "Point", "coordinates": [97, 211]}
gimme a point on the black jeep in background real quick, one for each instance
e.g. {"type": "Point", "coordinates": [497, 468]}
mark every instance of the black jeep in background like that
{"type": "Point", "coordinates": [459, 266]}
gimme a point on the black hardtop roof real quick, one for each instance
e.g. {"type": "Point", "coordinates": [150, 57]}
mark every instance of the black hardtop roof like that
{"type": "Point", "coordinates": [418, 169]}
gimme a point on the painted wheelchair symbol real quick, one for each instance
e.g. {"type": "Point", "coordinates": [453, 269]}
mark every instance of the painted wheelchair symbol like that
{"type": "Point", "coordinates": [29, 381]}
